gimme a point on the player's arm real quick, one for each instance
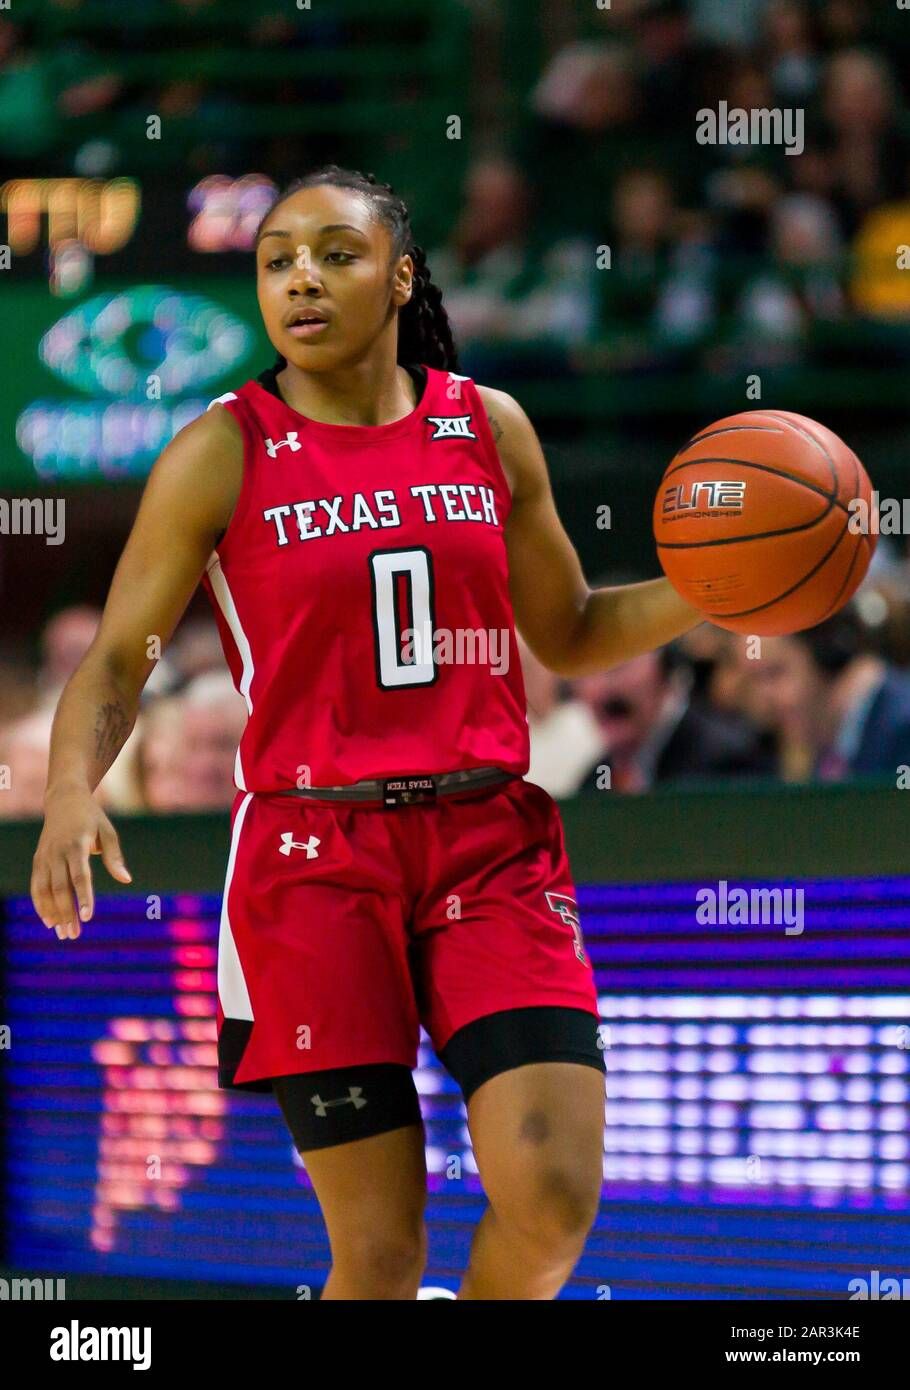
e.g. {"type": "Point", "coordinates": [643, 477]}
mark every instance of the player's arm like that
{"type": "Point", "coordinates": [186, 504]}
{"type": "Point", "coordinates": [572, 629]}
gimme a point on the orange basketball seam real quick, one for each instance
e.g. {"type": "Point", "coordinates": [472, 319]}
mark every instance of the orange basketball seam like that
{"type": "Point", "coordinates": [728, 429]}
{"type": "Point", "coordinates": [746, 612]}
{"type": "Point", "coordinates": [833, 606]}
{"type": "Point", "coordinates": [798, 429]}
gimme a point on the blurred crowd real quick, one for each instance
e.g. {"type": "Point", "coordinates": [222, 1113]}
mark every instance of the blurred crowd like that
{"type": "Point", "coordinates": [829, 704]}
{"type": "Point", "coordinates": [721, 257]}
{"type": "Point", "coordinates": [592, 234]}
{"type": "Point", "coordinates": [180, 754]}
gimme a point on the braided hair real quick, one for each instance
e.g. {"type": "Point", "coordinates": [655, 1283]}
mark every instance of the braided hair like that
{"type": "Point", "coordinates": [424, 331]}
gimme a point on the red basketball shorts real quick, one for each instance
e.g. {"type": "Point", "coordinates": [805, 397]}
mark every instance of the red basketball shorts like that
{"type": "Point", "coordinates": [345, 927]}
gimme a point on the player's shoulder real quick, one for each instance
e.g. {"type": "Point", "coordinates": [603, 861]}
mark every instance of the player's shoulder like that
{"type": "Point", "coordinates": [501, 401]}
{"type": "Point", "coordinates": [515, 436]}
{"type": "Point", "coordinates": [517, 444]}
{"type": "Point", "coordinates": [216, 425]}
{"type": "Point", "coordinates": [224, 417]}
{"type": "Point", "coordinates": [213, 437]}
{"type": "Point", "coordinates": [508, 419]}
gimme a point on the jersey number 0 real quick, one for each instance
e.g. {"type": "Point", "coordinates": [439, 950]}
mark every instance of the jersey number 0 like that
{"type": "Point", "coordinates": [404, 618]}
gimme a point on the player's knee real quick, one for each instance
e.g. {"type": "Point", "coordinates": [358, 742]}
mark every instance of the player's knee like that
{"type": "Point", "coordinates": [390, 1261]}
{"type": "Point", "coordinates": [558, 1206]}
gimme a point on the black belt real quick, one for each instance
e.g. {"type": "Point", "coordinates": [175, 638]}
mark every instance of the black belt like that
{"type": "Point", "coordinates": [408, 788]}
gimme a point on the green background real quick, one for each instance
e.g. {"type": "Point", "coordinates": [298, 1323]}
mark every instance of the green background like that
{"type": "Point", "coordinates": [760, 832]}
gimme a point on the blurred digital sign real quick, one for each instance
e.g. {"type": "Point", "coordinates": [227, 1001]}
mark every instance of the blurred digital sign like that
{"type": "Point", "coordinates": [226, 212]}
{"type": "Point", "coordinates": [101, 214]}
{"type": "Point", "coordinates": [758, 1088]}
{"type": "Point", "coordinates": [130, 304]}
{"type": "Point", "coordinates": [96, 390]}
{"type": "Point", "coordinates": [127, 227]}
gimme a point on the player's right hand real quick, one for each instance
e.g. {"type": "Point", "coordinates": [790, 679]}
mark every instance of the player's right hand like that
{"type": "Point", "coordinates": [74, 827]}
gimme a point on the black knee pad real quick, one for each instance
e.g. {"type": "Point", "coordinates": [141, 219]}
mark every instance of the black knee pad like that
{"type": "Point", "coordinates": [322, 1108]}
{"type": "Point", "coordinates": [515, 1037]}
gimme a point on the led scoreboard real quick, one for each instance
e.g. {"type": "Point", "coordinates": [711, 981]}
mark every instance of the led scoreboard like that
{"type": "Point", "coordinates": [756, 1140]}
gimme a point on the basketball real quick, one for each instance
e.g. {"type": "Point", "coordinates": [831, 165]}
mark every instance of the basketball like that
{"type": "Point", "coordinates": [752, 522]}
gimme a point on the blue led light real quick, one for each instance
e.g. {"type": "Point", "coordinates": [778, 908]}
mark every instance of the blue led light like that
{"type": "Point", "coordinates": [774, 1091]}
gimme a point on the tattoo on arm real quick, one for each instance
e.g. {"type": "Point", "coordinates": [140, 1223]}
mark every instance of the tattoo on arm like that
{"type": "Point", "coordinates": [496, 427]}
{"type": "Point", "coordinates": [111, 730]}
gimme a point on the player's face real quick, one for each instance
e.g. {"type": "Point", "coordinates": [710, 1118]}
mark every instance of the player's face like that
{"type": "Point", "coordinates": [322, 254]}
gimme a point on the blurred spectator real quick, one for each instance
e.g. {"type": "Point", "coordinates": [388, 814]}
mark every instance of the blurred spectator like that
{"type": "Point", "coordinates": [160, 766]}
{"type": "Point", "coordinates": [734, 22]}
{"type": "Point", "coordinates": [42, 86]}
{"type": "Point", "coordinates": [654, 732]}
{"type": "Point", "coordinates": [564, 733]}
{"type": "Point", "coordinates": [24, 748]}
{"type": "Point", "coordinates": [844, 21]}
{"type": "Point", "coordinates": [654, 296]}
{"type": "Point", "coordinates": [585, 127]}
{"type": "Point", "coordinates": [194, 649]}
{"type": "Point", "coordinates": [214, 717]}
{"type": "Point", "coordinates": [503, 285]}
{"type": "Point", "coordinates": [866, 149]}
{"type": "Point", "coordinates": [65, 639]}
{"type": "Point", "coordinates": [17, 688]}
{"type": "Point", "coordinates": [793, 62]}
{"type": "Point", "coordinates": [836, 709]}
{"type": "Point", "coordinates": [779, 306]}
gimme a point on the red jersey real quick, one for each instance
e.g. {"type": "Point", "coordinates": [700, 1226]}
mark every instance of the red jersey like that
{"type": "Point", "coordinates": [361, 593]}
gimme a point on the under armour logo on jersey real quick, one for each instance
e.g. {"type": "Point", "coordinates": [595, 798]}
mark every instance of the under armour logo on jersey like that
{"type": "Point", "coordinates": [288, 843]}
{"type": "Point", "coordinates": [290, 440]}
{"type": "Point", "coordinates": [568, 911]}
{"type": "Point", "coordinates": [354, 1097]}
{"type": "Point", "coordinates": [451, 426]}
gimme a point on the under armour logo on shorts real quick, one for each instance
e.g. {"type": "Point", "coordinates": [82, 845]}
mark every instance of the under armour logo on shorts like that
{"type": "Point", "coordinates": [288, 843]}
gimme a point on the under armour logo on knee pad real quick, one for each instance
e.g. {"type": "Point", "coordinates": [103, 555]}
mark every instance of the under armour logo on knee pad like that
{"type": "Point", "coordinates": [354, 1097]}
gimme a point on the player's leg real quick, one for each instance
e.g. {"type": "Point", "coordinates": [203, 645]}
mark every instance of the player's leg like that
{"type": "Point", "coordinates": [537, 1134]}
{"type": "Point", "coordinates": [371, 1191]}
{"type": "Point", "coordinates": [317, 1002]}
{"type": "Point", "coordinates": [508, 997]}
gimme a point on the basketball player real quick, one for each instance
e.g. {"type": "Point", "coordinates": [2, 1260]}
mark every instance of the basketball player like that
{"type": "Point", "coordinates": [388, 865]}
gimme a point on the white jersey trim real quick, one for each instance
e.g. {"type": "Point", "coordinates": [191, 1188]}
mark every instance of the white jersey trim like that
{"type": "Point", "coordinates": [233, 994]}
{"type": "Point", "coordinates": [225, 599]}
